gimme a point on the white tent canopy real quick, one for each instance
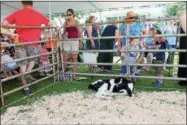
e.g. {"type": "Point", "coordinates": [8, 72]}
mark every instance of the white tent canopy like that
{"type": "Point", "coordinates": [59, 7]}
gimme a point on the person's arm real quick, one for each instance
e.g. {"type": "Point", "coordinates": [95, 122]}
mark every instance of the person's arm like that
{"type": "Point", "coordinates": [79, 29]}
{"type": "Point", "coordinates": [8, 33]}
{"type": "Point", "coordinates": [143, 30]}
{"type": "Point", "coordinates": [89, 32]}
{"type": "Point", "coordinates": [50, 24]}
{"type": "Point", "coordinates": [64, 31]}
{"type": "Point", "coordinates": [166, 28]}
{"type": "Point", "coordinates": [183, 21]}
{"type": "Point", "coordinates": [117, 34]}
{"type": "Point", "coordinates": [11, 19]}
{"type": "Point", "coordinates": [5, 23]}
{"type": "Point", "coordinates": [153, 46]}
{"type": "Point", "coordinates": [121, 30]}
{"type": "Point", "coordinates": [79, 32]}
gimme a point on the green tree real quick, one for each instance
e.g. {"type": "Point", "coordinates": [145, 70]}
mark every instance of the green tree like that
{"type": "Point", "coordinates": [174, 10]}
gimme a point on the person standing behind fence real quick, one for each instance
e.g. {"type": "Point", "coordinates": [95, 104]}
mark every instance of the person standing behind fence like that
{"type": "Point", "coordinates": [161, 44]}
{"type": "Point", "coordinates": [44, 61]}
{"type": "Point", "coordinates": [150, 44]}
{"type": "Point", "coordinates": [171, 29]}
{"type": "Point", "coordinates": [135, 28]}
{"type": "Point", "coordinates": [133, 56]}
{"type": "Point", "coordinates": [141, 44]}
{"type": "Point", "coordinates": [71, 30]}
{"type": "Point", "coordinates": [27, 17]}
{"type": "Point", "coordinates": [108, 44]}
{"type": "Point", "coordinates": [6, 56]}
{"type": "Point", "coordinates": [91, 31]}
{"type": "Point", "coordinates": [160, 25]}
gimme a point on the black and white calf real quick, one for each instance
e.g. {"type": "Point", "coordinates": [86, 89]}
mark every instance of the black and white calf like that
{"type": "Point", "coordinates": [106, 87]}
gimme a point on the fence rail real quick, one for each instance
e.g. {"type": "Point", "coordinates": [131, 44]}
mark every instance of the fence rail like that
{"type": "Point", "coordinates": [130, 50]}
{"type": "Point", "coordinates": [131, 76]}
{"type": "Point", "coordinates": [88, 24]}
{"type": "Point", "coordinates": [113, 64]}
{"type": "Point", "coordinates": [113, 37]}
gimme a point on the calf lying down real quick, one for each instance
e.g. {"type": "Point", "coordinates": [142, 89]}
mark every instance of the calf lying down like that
{"type": "Point", "coordinates": [105, 88]}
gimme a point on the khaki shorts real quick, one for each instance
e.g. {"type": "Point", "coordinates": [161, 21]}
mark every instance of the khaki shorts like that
{"type": "Point", "coordinates": [71, 46]}
{"type": "Point", "coordinates": [26, 51]}
{"type": "Point", "coordinates": [159, 70]}
{"type": "Point", "coordinates": [33, 51]}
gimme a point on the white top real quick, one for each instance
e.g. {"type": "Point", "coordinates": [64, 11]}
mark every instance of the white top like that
{"type": "Point", "coordinates": [171, 30]}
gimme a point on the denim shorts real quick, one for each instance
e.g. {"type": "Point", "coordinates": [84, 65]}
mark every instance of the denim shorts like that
{"type": "Point", "coordinates": [8, 67]}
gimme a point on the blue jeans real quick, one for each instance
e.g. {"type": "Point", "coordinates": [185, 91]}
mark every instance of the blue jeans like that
{"type": "Point", "coordinates": [124, 69]}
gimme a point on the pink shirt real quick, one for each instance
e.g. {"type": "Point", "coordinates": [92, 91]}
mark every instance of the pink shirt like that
{"type": "Point", "coordinates": [43, 58]}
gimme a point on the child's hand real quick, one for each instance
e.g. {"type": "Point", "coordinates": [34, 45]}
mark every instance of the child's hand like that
{"type": "Point", "coordinates": [13, 35]}
{"type": "Point", "coordinates": [119, 48]}
{"type": "Point", "coordinates": [93, 45]}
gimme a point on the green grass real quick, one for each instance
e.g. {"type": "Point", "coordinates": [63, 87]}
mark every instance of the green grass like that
{"type": "Point", "coordinates": [62, 87]}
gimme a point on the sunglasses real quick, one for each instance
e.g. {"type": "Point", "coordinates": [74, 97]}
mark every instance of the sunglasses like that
{"type": "Point", "coordinates": [69, 15]}
{"type": "Point", "coordinates": [131, 18]}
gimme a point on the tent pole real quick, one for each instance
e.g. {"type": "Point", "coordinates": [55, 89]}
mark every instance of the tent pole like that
{"type": "Point", "coordinates": [51, 37]}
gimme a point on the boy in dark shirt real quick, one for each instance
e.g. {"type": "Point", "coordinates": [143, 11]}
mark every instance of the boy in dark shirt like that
{"type": "Point", "coordinates": [160, 58]}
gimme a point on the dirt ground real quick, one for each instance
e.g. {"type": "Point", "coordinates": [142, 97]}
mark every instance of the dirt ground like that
{"type": "Point", "coordinates": [84, 108]}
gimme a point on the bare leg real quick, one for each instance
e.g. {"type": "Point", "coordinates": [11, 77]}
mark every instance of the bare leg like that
{"type": "Point", "coordinates": [23, 79]}
{"type": "Point", "coordinates": [29, 68]}
{"type": "Point", "coordinates": [65, 58]}
{"type": "Point", "coordinates": [74, 56]}
{"type": "Point", "coordinates": [23, 70]}
{"type": "Point", "coordinates": [160, 80]}
{"type": "Point", "coordinates": [149, 60]}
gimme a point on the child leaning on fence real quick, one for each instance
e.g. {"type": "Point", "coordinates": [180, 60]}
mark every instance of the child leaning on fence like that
{"type": "Point", "coordinates": [6, 53]}
{"type": "Point", "coordinates": [132, 56]}
{"type": "Point", "coordinates": [160, 58]}
{"type": "Point", "coordinates": [44, 61]}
